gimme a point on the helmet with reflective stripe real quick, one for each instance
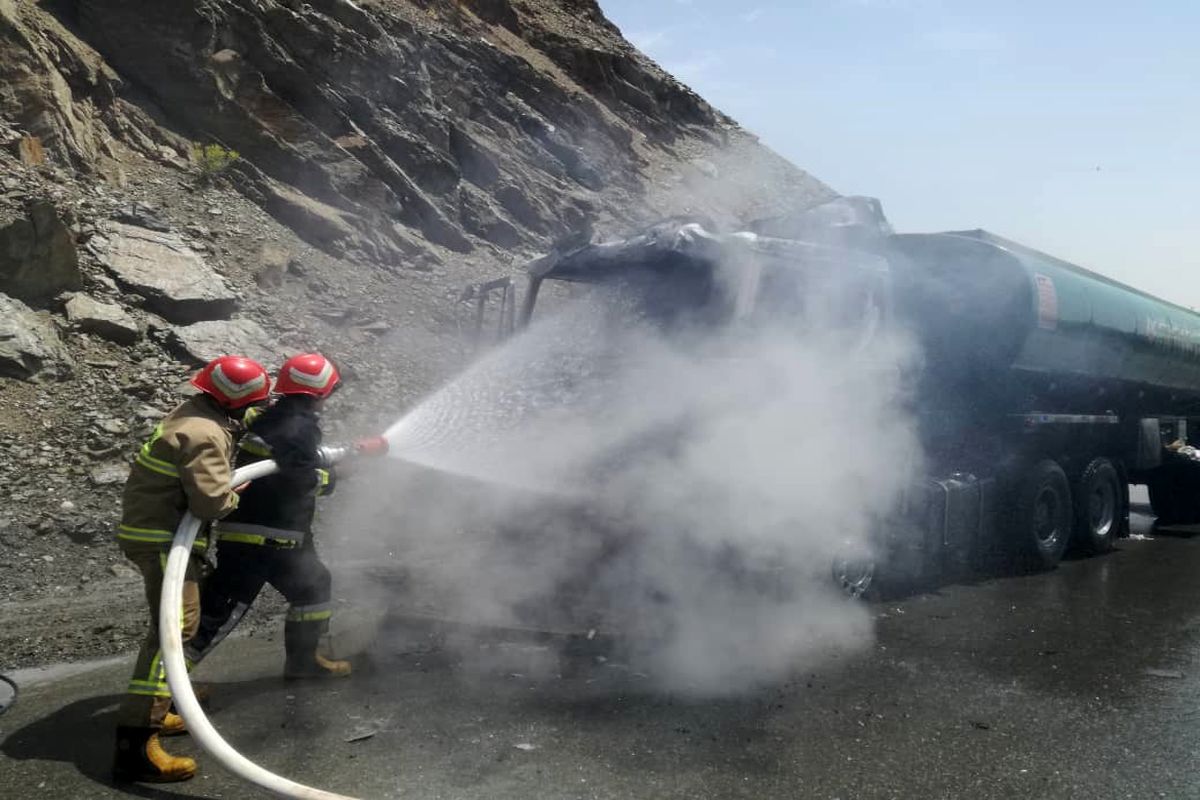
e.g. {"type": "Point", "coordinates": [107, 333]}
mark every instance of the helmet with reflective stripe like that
{"type": "Point", "coordinates": [234, 381]}
{"type": "Point", "coordinates": [307, 373]}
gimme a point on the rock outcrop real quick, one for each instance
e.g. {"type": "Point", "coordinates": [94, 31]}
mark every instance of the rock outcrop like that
{"type": "Point", "coordinates": [63, 95]}
{"type": "Point", "coordinates": [205, 341]}
{"type": "Point", "coordinates": [174, 280]}
{"type": "Point", "coordinates": [29, 342]}
{"type": "Point", "coordinates": [368, 129]}
{"type": "Point", "coordinates": [37, 253]}
{"type": "Point", "coordinates": [106, 320]}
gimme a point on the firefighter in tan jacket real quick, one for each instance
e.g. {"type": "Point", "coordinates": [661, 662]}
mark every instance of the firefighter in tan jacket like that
{"type": "Point", "coordinates": [185, 466]}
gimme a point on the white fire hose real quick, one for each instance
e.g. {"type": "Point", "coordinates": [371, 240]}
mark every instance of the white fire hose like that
{"type": "Point", "coordinates": [170, 631]}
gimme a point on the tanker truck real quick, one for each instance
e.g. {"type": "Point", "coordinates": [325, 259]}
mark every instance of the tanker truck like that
{"type": "Point", "coordinates": [1044, 390]}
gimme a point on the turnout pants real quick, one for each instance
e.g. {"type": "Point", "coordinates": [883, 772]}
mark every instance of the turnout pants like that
{"type": "Point", "coordinates": [148, 698]}
{"type": "Point", "coordinates": [242, 569]}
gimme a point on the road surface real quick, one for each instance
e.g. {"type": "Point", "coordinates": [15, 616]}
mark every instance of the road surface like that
{"type": "Point", "coordinates": [1080, 683]}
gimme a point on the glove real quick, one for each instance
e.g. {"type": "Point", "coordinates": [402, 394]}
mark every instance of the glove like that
{"type": "Point", "coordinates": [371, 446]}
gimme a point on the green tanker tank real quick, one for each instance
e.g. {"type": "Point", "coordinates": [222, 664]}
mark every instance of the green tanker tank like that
{"type": "Point", "coordinates": [982, 303]}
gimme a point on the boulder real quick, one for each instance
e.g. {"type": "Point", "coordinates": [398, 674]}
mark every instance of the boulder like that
{"type": "Point", "coordinates": [37, 254]}
{"type": "Point", "coordinates": [106, 320]}
{"type": "Point", "coordinates": [29, 342]}
{"type": "Point", "coordinates": [204, 341]}
{"type": "Point", "coordinates": [176, 282]}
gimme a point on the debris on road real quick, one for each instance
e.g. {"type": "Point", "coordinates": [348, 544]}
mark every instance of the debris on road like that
{"type": "Point", "coordinates": [1163, 673]}
{"type": "Point", "coordinates": [361, 734]}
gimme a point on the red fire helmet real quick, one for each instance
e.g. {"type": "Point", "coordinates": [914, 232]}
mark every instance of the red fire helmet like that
{"type": "Point", "coordinates": [233, 381]}
{"type": "Point", "coordinates": [307, 373]}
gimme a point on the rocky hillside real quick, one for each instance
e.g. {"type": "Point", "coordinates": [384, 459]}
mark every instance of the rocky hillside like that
{"type": "Point", "coordinates": [181, 178]}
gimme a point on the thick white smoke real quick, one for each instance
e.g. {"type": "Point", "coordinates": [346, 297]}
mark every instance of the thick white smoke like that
{"type": "Point", "coordinates": [686, 492]}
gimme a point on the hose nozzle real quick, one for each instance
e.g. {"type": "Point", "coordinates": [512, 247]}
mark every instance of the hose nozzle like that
{"type": "Point", "coordinates": [332, 454]}
{"type": "Point", "coordinates": [373, 446]}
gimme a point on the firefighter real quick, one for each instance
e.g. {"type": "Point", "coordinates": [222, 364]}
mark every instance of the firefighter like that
{"type": "Point", "coordinates": [268, 539]}
{"type": "Point", "coordinates": [184, 466]}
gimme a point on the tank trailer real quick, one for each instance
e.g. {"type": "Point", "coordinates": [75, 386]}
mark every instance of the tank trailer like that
{"type": "Point", "coordinates": [1043, 392]}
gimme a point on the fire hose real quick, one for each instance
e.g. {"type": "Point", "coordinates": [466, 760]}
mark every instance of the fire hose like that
{"type": "Point", "coordinates": [170, 630]}
{"type": "Point", "coordinates": [8, 693]}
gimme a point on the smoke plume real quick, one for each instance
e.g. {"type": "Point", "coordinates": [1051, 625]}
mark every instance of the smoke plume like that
{"type": "Point", "coordinates": [683, 489]}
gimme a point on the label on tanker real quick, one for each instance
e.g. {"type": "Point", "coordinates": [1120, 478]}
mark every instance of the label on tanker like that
{"type": "Point", "coordinates": [1047, 302]}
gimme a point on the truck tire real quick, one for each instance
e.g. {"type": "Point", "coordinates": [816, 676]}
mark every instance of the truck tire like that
{"type": "Point", "coordinates": [857, 578]}
{"type": "Point", "coordinates": [1099, 507]}
{"type": "Point", "coordinates": [1043, 516]}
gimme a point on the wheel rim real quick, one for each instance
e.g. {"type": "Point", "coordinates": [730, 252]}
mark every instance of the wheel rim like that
{"type": "Point", "coordinates": [1102, 509]}
{"type": "Point", "coordinates": [854, 576]}
{"type": "Point", "coordinates": [1046, 517]}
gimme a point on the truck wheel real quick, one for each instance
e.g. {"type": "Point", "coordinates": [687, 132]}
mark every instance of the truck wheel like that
{"type": "Point", "coordinates": [1099, 506]}
{"type": "Point", "coordinates": [1043, 516]}
{"type": "Point", "coordinates": [855, 576]}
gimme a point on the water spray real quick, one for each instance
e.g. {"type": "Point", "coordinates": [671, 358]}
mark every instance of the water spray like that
{"type": "Point", "coordinates": [170, 629]}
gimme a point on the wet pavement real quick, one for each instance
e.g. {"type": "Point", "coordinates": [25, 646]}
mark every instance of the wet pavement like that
{"type": "Point", "coordinates": [1080, 683]}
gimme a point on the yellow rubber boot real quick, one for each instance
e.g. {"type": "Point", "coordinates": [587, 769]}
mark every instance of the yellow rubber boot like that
{"type": "Point", "coordinates": [334, 668]}
{"type": "Point", "coordinates": [317, 667]}
{"type": "Point", "coordinates": [173, 725]}
{"type": "Point", "coordinates": [140, 757]}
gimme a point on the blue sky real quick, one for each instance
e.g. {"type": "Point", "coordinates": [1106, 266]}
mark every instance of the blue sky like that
{"type": "Point", "coordinates": [1070, 126]}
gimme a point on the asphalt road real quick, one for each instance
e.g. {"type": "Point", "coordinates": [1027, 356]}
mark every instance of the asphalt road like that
{"type": "Point", "coordinates": [1081, 683]}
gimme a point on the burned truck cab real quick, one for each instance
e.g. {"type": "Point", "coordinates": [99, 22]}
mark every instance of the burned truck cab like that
{"type": "Point", "coordinates": [680, 275]}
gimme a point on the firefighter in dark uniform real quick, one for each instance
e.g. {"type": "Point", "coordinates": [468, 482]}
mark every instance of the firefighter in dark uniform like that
{"type": "Point", "coordinates": [268, 538]}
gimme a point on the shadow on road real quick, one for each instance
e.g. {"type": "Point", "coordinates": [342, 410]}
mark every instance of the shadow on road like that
{"type": "Point", "coordinates": [81, 733]}
{"type": "Point", "coordinates": [1175, 531]}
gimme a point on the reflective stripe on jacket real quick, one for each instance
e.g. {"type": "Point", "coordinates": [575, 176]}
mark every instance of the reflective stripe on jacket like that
{"type": "Point", "coordinates": [249, 533]}
{"type": "Point", "coordinates": [184, 465]}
